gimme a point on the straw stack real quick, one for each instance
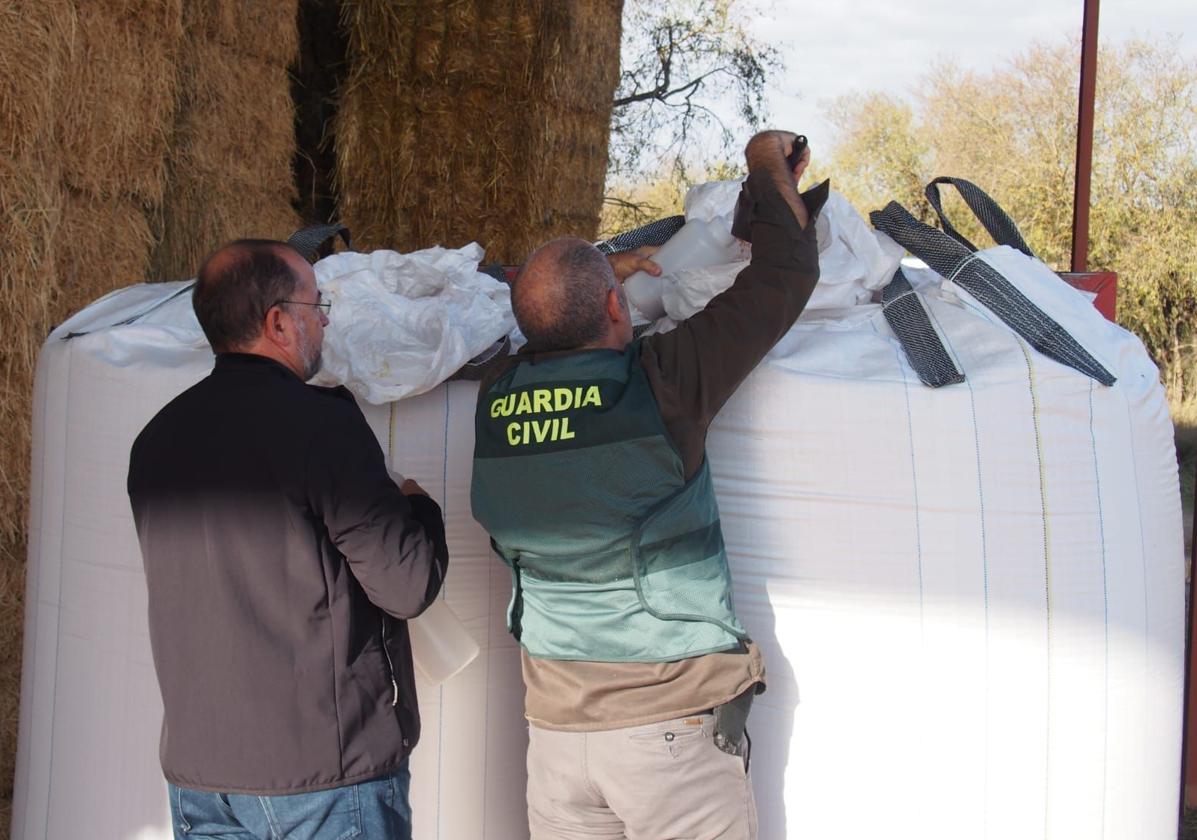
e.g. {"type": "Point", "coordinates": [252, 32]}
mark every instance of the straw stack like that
{"type": "Point", "coordinates": [231, 154]}
{"type": "Point", "coordinates": [467, 120]}
{"type": "Point", "coordinates": [32, 53]}
{"type": "Point", "coordinates": [134, 137]}
{"type": "Point", "coordinates": [86, 98]}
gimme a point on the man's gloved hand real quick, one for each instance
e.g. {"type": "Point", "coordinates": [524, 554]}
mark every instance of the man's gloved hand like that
{"type": "Point", "coordinates": [628, 263]}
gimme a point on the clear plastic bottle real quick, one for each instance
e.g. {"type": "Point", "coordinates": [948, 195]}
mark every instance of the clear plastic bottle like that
{"type": "Point", "coordinates": [440, 645]}
{"type": "Point", "coordinates": [697, 244]}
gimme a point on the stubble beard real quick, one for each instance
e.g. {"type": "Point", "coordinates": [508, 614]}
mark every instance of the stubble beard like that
{"type": "Point", "coordinates": [312, 356]}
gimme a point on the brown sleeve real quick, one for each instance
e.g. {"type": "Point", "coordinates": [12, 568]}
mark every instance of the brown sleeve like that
{"type": "Point", "coordinates": [696, 368]}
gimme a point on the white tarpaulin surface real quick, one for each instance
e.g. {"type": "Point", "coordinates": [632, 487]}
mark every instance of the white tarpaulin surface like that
{"type": "Point", "coordinates": [400, 324]}
{"type": "Point", "coordinates": [854, 259]}
{"type": "Point", "coordinates": [970, 599]}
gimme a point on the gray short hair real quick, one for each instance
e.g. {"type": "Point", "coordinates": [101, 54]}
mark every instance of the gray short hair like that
{"type": "Point", "coordinates": [560, 298]}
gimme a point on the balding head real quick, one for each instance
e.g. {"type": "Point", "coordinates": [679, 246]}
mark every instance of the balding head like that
{"type": "Point", "coordinates": [236, 286]}
{"type": "Point", "coordinates": [560, 297]}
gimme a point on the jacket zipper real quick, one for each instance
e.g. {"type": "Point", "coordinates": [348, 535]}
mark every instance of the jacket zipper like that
{"type": "Point", "coordinates": [390, 665]}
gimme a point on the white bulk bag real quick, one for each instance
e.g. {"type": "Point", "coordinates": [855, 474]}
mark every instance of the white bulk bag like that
{"type": "Point", "coordinates": [969, 598]}
{"type": "Point", "coordinates": [87, 763]}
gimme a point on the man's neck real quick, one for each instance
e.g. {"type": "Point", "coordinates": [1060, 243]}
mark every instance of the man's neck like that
{"type": "Point", "coordinates": [267, 350]}
{"type": "Point", "coordinates": [611, 341]}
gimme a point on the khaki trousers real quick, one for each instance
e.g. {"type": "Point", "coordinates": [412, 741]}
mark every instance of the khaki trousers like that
{"type": "Point", "coordinates": [661, 781]}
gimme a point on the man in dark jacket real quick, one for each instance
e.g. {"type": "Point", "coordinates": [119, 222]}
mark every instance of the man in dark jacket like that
{"type": "Point", "coordinates": [282, 561]}
{"type": "Point", "coordinates": [590, 474]}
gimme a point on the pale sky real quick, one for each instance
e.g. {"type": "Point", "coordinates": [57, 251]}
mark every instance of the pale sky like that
{"type": "Point", "coordinates": [835, 47]}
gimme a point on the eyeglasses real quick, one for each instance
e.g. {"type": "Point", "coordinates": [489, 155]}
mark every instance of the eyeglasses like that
{"type": "Point", "coordinates": [326, 305]}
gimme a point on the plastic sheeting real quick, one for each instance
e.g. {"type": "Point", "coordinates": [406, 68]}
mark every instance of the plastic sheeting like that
{"type": "Point", "coordinates": [400, 324]}
{"type": "Point", "coordinates": [969, 599]}
{"type": "Point", "coordinates": [854, 260]}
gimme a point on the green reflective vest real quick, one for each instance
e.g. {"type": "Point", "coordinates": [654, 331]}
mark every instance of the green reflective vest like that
{"type": "Point", "coordinates": [614, 556]}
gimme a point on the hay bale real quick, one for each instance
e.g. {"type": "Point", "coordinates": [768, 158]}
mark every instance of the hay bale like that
{"type": "Point", "coordinates": [12, 588]}
{"type": "Point", "coordinates": [116, 98]}
{"type": "Point", "coordinates": [86, 108]}
{"type": "Point", "coordinates": [30, 208]}
{"type": "Point", "coordinates": [100, 244]}
{"type": "Point", "coordinates": [33, 43]}
{"type": "Point", "coordinates": [34, 48]}
{"type": "Point", "coordinates": [262, 29]}
{"type": "Point", "coordinates": [465, 120]}
{"type": "Point", "coordinates": [230, 171]}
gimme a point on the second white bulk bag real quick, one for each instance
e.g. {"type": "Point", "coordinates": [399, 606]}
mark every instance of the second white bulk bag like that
{"type": "Point", "coordinates": [91, 712]}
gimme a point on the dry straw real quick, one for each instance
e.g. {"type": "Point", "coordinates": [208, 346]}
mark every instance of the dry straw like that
{"type": "Point", "coordinates": [117, 99]}
{"type": "Point", "coordinates": [100, 244]}
{"type": "Point", "coordinates": [28, 216]}
{"type": "Point", "coordinates": [121, 123]}
{"type": "Point", "coordinates": [33, 43]}
{"type": "Point", "coordinates": [261, 29]}
{"type": "Point", "coordinates": [475, 121]}
{"type": "Point", "coordinates": [33, 48]}
{"type": "Point", "coordinates": [230, 171]}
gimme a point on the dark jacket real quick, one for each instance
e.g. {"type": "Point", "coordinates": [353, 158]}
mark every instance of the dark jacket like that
{"type": "Point", "coordinates": [281, 560]}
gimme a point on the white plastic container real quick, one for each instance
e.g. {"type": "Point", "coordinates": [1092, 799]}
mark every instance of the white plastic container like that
{"type": "Point", "coordinates": [698, 244]}
{"type": "Point", "coordinates": [440, 646]}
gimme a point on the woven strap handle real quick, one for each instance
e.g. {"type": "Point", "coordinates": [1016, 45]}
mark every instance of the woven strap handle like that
{"type": "Point", "coordinates": [654, 233]}
{"type": "Point", "coordinates": [310, 240]}
{"type": "Point", "coordinates": [951, 259]}
{"type": "Point", "coordinates": [992, 217]}
{"type": "Point", "coordinates": [924, 349]}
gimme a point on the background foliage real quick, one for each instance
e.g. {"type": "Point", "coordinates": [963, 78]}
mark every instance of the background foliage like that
{"type": "Point", "coordinates": [1012, 131]}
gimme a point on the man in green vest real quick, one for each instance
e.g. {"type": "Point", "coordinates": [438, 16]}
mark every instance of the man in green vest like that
{"type": "Point", "coordinates": [590, 475]}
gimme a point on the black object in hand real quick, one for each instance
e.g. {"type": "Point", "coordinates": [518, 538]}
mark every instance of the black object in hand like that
{"type": "Point", "coordinates": [742, 221]}
{"type": "Point", "coordinates": [795, 154]}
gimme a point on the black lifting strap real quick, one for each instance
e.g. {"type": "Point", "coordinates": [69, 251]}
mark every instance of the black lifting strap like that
{"type": "Point", "coordinates": [311, 241]}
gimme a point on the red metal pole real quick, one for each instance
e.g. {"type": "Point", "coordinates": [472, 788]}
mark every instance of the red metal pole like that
{"type": "Point", "coordinates": [1084, 139]}
{"type": "Point", "coordinates": [1188, 766]}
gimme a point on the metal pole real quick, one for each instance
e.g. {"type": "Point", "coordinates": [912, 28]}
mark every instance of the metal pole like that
{"type": "Point", "coordinates": [1084, 139]}
{"type": "Point", "coordinates": [1188, 765]}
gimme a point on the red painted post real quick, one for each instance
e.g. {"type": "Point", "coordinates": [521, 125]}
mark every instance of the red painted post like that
{"type": "Point", "coordinates": [1084, 139]}
{"type": "Point", "coordinates": [1188, 769]}
{"type": "Point", "coordinates": [1102, 284]}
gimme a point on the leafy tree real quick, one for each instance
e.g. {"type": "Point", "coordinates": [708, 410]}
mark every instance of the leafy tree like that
{"type": "Point", "coordinates": [883, 156]}
{"type": "Point", "coordinates": [642, 201]}
{"type": "Point", "coordinates": [684, 61]}
{"type": "Point", "coordinates": [1013, 132]}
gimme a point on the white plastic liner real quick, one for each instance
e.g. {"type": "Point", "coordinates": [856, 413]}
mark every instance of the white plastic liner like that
{"type": "Point", "coordinates": [970, 600]}
{"type": "Point", "coordinates": [854, 260]}
{"type": "Point", "coordinates": [401, 324]}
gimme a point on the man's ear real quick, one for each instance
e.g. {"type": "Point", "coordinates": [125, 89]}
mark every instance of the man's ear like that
{"type": "Point", "coordinates": [275, 328]}
{"type": "Point", "coordinates": [615, 311]}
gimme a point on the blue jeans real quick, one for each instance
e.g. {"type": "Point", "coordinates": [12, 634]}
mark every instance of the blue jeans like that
{"type": "Point", "coordinates": [378, 809]}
